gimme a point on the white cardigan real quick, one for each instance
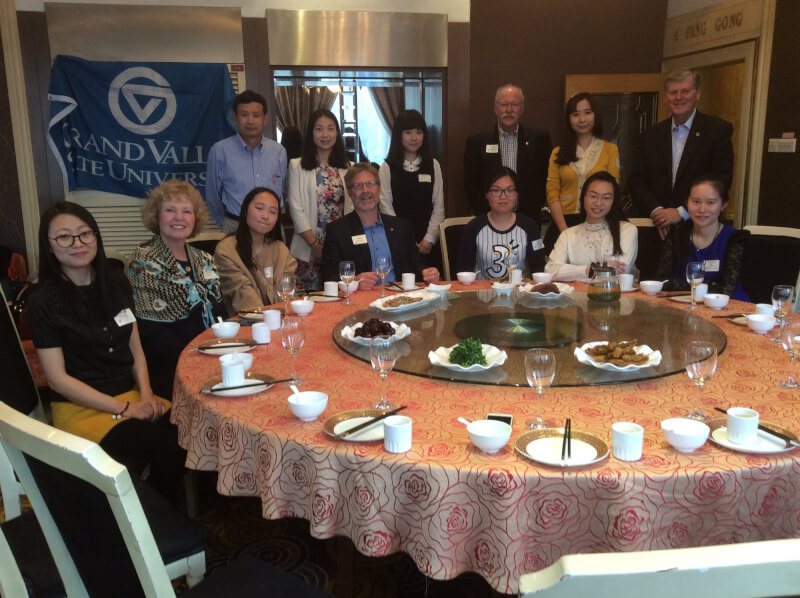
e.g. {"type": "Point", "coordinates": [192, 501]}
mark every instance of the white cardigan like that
{"type": "Point", "coordinates": [302, 195]}
{"type": "Point", "coordinates": [580, 245]}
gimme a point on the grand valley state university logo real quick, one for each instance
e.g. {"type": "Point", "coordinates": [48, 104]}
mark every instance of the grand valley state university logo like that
{"type": "Point", "coordinates": [143, 100]}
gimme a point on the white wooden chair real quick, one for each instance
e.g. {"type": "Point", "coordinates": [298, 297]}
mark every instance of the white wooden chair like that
{"type": "Point", "coordinates": [770, 568]}
{"type": "Point", "coordinates": [450, 234]}
{"type": "Point", "coordinates": [774, 231]}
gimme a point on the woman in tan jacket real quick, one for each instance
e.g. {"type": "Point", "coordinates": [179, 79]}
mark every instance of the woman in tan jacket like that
{"type": "Point", "coordinates": [250, 259]}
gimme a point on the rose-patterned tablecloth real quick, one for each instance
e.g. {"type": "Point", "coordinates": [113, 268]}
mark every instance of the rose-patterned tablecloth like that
{"type": "Point", "coordinates": [455, 509]}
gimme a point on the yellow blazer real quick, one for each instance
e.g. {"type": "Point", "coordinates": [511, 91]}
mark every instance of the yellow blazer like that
{"type": "Point", "coordinates": [562, 180]}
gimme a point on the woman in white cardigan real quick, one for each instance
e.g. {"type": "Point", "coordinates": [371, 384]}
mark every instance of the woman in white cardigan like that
{"type": "Point", "coordinates": [317, 194]}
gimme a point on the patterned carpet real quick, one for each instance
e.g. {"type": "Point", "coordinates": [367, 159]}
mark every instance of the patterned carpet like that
{"type": "Point", "coordinates": [235, 529]}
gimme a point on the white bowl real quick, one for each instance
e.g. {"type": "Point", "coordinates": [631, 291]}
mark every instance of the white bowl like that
{"type": "Point", "coordinates": [353, 286]}
{"type": "Point", "coordinates": [542, 277]}
{"type": "Point", "coordinates": [489, 435]}
{"type": "Point", "coordinates": [715, 300]}
{"type": "Point", "coordinates": [302, 307]}
{"type": "Point", "coordinates": [246, 359]}
{"type": "Point", "coordinates": [308, 405]}
{"type": "Point", "coordinates": [225, 329]}
{"type": "Point", "coordinates": [760, 323]}
{"type": "Point", "coordinates": [466, 277]}
{"type": "Point", "coordinates": [685, 435]}
{"type": "Point", "coordinates": [651, 287]}
{"type": "Point", "coordinates": [503, 288]}
{"type": "Point", "coordinates": [438, 288]}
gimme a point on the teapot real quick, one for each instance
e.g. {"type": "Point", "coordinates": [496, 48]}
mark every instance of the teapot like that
{"type": "Point", "coordinates": [603, 284]}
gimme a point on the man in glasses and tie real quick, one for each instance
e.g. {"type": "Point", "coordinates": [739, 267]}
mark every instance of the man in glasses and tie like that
{"type": "Point", "coordinates": [365, 234]}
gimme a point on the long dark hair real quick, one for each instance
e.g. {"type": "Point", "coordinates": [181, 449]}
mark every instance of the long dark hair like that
{"type": "Point", "coordinates": [51, 273]}
{"type": "Point", "coordinates": [338, 157]}
{"type": "Point", "coordinates": [615, 215]}
{"type": "Point", "coordinates": [684, 229]}
{"type": "Point", "coordinates": [409, 119]}
{"type": "Point", "coordinates": [568, 151]}
{"type": "Point", "coordinates": [244, 240]}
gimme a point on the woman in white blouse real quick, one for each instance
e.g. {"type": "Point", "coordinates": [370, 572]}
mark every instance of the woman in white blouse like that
{"type": "Point", "coordinates": [604, 234]}
{"type": "Point", "coordinates": [411, 184]}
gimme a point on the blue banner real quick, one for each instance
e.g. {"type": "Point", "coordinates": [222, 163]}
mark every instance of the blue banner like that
{"type": "Point", "coordinates": [127, 127]}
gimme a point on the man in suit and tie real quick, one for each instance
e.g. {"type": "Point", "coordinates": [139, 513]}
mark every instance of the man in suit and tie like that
{"type": "Point", "coordinates": [364, 234]}
{"type": "Point", "coordinates": [525, 150]}
{"type": "Point", "coordinates": [672, 153]}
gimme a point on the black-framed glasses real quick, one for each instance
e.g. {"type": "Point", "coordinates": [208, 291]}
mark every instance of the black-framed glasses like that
{"type": "Point", "coordinates": [497, 191]}
{"type": "Point", "coordinates": [367, 185]}
{"type": "Point", "coordinates": [87, 237]}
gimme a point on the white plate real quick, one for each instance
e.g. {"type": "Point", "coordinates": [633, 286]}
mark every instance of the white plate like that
{"type": "Point", "coordinates": [654, 358]}
{"type": "Point", "coordinates": [683, 299]}
{"type": "Point", "coordinates": [564, 289]}
{"type": "Point", "coordinates": [544, 446]}
{"type": "Point", "coordinates": [221, 346]}
{"type": "Point", "coordinates": [320, 297]}
{"type": "Point", "coordinates": [396, 287]}
{"type": "Point", "coordinates": [741, 320]}
{"type": "Point", "coordinates": [765, 443]}
{"type": "Point", "coordinates": [257, 383]}
{"type": "Point", "coordinates": [493, 355]}
{"type": "Point", "coordinates": [425, 296]}
{"type": "Point", "coordinates": [503, 288]}
{"type": "Point", "coordinates": [633, 289]}
{"type": "Point", "coordinates": [400, 331]}
{"type": "Point", "coordinates": [373, 432]}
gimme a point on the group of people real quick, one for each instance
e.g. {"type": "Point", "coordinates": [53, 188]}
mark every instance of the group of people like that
{"type": "Point", "coordinates": [109, 343]}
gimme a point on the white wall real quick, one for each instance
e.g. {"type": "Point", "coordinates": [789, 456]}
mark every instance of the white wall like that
{"type": "Point", "coordinates": [456, 10]}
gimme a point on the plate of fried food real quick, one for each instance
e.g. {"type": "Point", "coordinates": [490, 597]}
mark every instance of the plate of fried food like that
{"type": "Point", "coordinates": [362, 333]}
{"type": "Point", "coordinates": [547, 290]}
{"type": "Point", "coordinates": [405, 301]}
{"type": "Point", "coordinates": [619, 356]}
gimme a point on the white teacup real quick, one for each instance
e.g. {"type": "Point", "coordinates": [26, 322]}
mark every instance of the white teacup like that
{"type": "Point", "coordinates": [625, 282]}
{"type": "Point", "coordinates": [742, 425]}
{"type": "Point", "coordinates": [765, 309]}
{"type": "Point", "coordinates": [331, 288]}
{"type": "Point", "coordinates": [397, 434]}
{"type": "Point", "coordinates": [700, 291]}
{"type": "Point", "coordinates": [409, 281]}
{"type": "Point", "coordinates": [273, 319]}
{"type": "Point", "coordinates": [516, 277]}
{"type": "Point", "coordinates": [232, 369]}
{"type": "Point", "coordinates": [261, 333]}
{"type": "Point", "coordinates": [627, 441]}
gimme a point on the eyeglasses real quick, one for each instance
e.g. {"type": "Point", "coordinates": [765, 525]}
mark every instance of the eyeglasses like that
{"type": "Point", "coordinates": [497, 191]}
{"type": "Point", "coordinates": [87, 237]}
{"type": "Point", "coordinates": [507, 105]}
{"type": "Point", "coordinates": [368, 185]}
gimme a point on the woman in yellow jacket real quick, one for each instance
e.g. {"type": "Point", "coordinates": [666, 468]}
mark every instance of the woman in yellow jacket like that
{"type": "Point", "coordinates": [583, 154]}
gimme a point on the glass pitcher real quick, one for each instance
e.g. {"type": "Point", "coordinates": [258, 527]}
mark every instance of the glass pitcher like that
{"type": "Point", "coordinates": [604, 284]}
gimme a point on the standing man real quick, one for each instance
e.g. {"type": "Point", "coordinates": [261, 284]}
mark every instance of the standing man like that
{"type": "Point", "coordinates": [365, 233]}
{"type": "Point", "coordinates": [242, 162]}
{"type": "Point", "coordinates": [672, 153]}
{"type": "Point", "coordinates": [526, 151]}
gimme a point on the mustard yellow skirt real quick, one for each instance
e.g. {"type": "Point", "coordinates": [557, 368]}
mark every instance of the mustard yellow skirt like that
{"type": "Point", "coordinates": [90, 423]}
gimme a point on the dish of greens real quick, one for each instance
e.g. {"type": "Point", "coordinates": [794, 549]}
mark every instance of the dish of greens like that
{"type": "Point", "coordinates": [468, 356]}
{"type": "Point", "coordinates": [468, 352]}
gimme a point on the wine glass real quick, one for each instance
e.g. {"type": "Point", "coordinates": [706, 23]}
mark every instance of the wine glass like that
{"type": "Point", "coordinates": [382, 265]}
{"type": "Point", "coordinates": [383, 354]}
{"type": "Point", "coordinates": [701, 363]}
{"type": "Point", "coordinates": [293, 335]}
{"type": "Point", "coordinates": [347, 272]}
{"type": "Point", "coordinates": [540, 369]}
{"type": "Point", "coordinates": [512, 263]}
{"type": "Point", "coordinates": [782, 295]}
{"type": "Point", "coordinates": [695, 273]}
{"type": "Point", "coordinates": [285, 288]}
{"type": "Point", "coordinates": [790, 339]}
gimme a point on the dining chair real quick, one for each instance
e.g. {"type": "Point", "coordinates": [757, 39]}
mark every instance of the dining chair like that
{"type": "Point", "coordinates": [772, 257]}
{"type": "Point", "coordinates": [450, 230]}
{"type": "Point", "coordinates": [649, 248]}
{"type": "Point", "coordinates": [768, 568]}
{"type": "Point", "coordinates": [207, 241]}
{"type": "Point", "coordinates": [75, 487]}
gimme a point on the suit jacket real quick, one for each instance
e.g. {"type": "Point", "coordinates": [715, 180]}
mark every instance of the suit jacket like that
{"type": "Point", "coordinates": [533, 156]}
{"type": "Point", "coordinates": [708, 150]}
{"type": "Point", "coordinates": [339, 246]}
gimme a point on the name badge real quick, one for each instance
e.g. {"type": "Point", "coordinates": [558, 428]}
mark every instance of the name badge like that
{"type": "Point", "coordinates": [124, 318]}
{"type": "Point", "coordinates": [425, 178]}
{"type": "Point", "coordinates": [492, 148]}
{"type": "Point", "coordinates": [359, 239]}
{"type": "Point", "coordinates": [268, 272]}
{"type": "Point", "coordinates": [711, 265]}
{"type": "Point", "coordinates": [210, 275]}
{"type": "Point", "coordinates": [537, 244]}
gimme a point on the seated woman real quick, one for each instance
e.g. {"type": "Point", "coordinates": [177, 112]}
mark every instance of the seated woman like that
{"type": "Point", "coordinates": [604, 232]}
{"type": "Point", "coordinates": [490, 238]}
{"type": "Point", "coordinates": [86, 337]}
{"type": "Point", "coordinates": [703, 238]}
{"type": "Point", "coordinates": [175, 286]}
{"type": "Point", "coordinates": [250, 259]}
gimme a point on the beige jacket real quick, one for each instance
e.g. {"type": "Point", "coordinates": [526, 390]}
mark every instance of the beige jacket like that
{"type": "Point", "coordinates": [243, 288]}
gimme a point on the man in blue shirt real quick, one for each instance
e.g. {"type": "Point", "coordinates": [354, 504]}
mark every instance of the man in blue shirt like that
{"type": "Point", "coordinates": [364, 234]}
{"type": "Point", "coordinates": [239, 163]}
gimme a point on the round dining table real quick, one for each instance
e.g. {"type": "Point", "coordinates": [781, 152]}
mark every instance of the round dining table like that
{"type": "Point", "coordinates": [453, 508]}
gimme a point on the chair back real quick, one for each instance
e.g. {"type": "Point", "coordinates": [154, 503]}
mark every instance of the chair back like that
{"type": "Point", "coordinates": [207, 241]}
{"type": "Point", "coordinates": [90, 512]}
{"type": "Point", "coordinates": [772, 257]}
{"type": "Point", "coordinates": [749, 569]}
{"type": "Point", "coordinates": [649, 248]}
{"type": "Point", "coordinates": [450, 231]}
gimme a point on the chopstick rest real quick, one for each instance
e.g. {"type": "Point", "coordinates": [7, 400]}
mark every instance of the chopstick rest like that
{"type": "Point", "coordinates": [369, 422]}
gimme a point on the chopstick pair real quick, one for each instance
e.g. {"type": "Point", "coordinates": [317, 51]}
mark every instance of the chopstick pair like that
{"type": "Point", "coordinates": [369, 422]}
{"type": "Point", "coordinates": [788, 440]}
{"type": "Point", "coordinates": [240, 386]}
{"type": "Point", "coordinates": [566, 445]}
{"type": "Point", "coordinates": [221, 346]}
{"type": "Point", "coordinates": [730, 316]}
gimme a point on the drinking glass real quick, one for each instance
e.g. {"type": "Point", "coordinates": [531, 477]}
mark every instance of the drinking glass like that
{"type": "Point", "coordinates": [540, 369]}
{"type": "Point", "coordinates": [790, 339]}
{"type": "Point", "coordinates": [782, 296]}
{"type": "Point", "coordinates": [293, 335]}
{"type": "Point", "coordinates": [695, 273]}
{"type": "Point", "coordinates": [347, 272]}
{"type": "Point", "coordinates": [285, 287]}
{"type": "Point", "coordinates": [512, 263]}
{"type": "Point", "coordinates": [701, 363]}
{"type": "Point", "coordinates": [382, 265]}
{"type": "Point", "coordinates": [383, 354]}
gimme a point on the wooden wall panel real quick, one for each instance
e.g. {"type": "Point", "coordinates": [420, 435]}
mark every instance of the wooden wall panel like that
{"type": "Point", "coordinates": [457, 118]}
